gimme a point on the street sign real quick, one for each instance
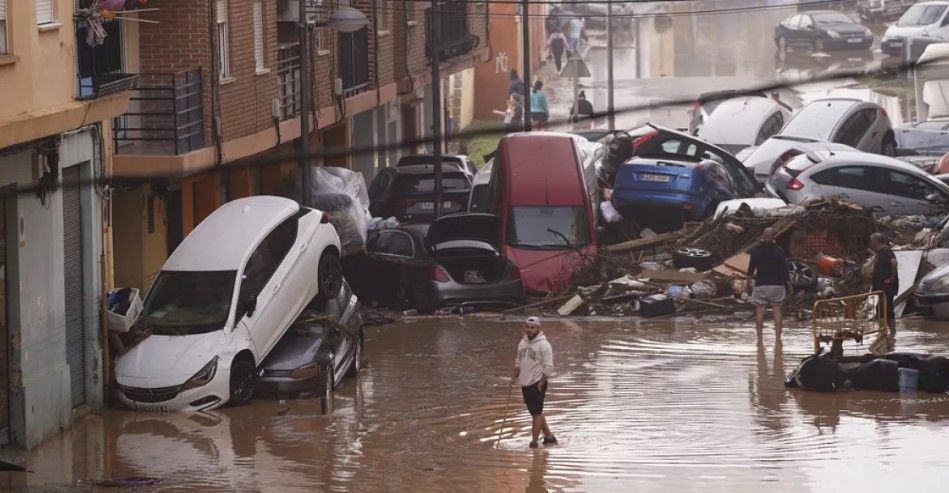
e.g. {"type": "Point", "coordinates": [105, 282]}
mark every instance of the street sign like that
{"type": "Point", "coordinates": [575, 68]}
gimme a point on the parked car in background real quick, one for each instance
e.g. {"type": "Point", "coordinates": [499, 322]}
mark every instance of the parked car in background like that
{"type": "Point", "coordinates": [929, 137]}
{"type": "Point", "coordinates": [548, 221]}
{"type": "Point", "coordinates": [882, 10]}
{"type": "Point", "coordinates": [456, 261]}
{"type": "Point", "coordinates": [463, 163]}
{"type": "Point", "coordinates": [653, 141]}
{"type": "Point", "coordinates": [821, 30]}
{"type": "Point", "coordinates": [922, 20]}
{"type": "Point", "coordinates": [223, 300]}
{"type": "Point", "coordinates": [480, 198]}
{"type": "Point", "coordinates": [408, 192]}
{"type": "Point", "coordinates": [706, 103]}
{"type": "Point", "coordinates": [661, 194]}
{"type": "Point", "coordinates": [859, 124]}
{"type": "Point", "coordinates": [314, 355]}
{"type": "Point", "coordinates": [933, 292]}
{"type": "Point", "coordinates": [763, 160]}
{"type": "Point", "coordinates": [886, 185]}
{"type": "Point", "coordinates": [744, 122]}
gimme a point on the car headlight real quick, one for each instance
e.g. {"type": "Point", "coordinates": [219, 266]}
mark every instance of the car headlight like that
{"type": "Point", "coordinates": [940, 284]}
{"type": "Point", "coordinates": [202, 377]}
{"type": "Point", "coordinates": [305, 372]}
{"type": "Point", "coordinates": [833, 34]}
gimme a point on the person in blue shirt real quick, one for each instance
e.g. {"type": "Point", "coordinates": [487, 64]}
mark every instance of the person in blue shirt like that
{"type": "Point", "coordinates": [539, 111]}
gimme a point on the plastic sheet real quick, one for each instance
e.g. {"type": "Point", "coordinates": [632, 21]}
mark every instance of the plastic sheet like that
{"type": "Point", "coordinates": [125, 305]}
{"type": "Point", "coordinates": [342, 194]}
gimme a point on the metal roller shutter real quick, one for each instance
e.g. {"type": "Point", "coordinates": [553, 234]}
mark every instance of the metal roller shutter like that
{"type": "Point", "coordinates": [72, 274]}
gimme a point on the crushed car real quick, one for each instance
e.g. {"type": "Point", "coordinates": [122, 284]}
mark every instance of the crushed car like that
{"type": "Point", "coordinates": [223, 300]}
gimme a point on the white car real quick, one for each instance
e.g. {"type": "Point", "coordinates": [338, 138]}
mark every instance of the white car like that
{"type": "Point", "coordinates": [922, 20]}
{"type": "Point", "coordinates": [223, 299]}
{"type": "Point", "coordinates": [743, 122]}
{"type": "Point", "coordinates": [859, 124]}
{"type": "Point", "coordinates": [888, 186]}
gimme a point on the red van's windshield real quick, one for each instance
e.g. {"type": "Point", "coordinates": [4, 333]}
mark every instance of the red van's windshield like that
{"type": "Point", "coordinates": [548, 227]}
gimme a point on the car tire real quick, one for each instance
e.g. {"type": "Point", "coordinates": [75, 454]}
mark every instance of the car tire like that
{"type": "Point", "coordinates": [818, 45]}
{"type": "Point", "coordinates": [357, 357]}
{"type": "Point", "coordinates": [698, 258]}
{"type": "Point", "coordinates": [243, 381]}
{"type": "Point", "coordinates": [329, 276]}
{"type": "Point", "coordinates": [782, 44]}
{"type": "Point", "coordinates": [888, 148]}
{"type": "Point", "coordinates": [325, 390]}
{"type": "Point", "coordinates": [801, 275]}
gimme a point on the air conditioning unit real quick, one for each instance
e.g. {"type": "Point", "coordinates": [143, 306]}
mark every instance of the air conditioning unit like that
{"type": "Point", "coordinates": [288, 10]}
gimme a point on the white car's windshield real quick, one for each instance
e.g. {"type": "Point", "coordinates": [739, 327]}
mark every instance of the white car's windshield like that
{"type": "Point", "coordinates": [921, 15]}
{"type": "Point", "coordinates": [186, 302]}
{"type": "Point", "coordinates": [541, 227]}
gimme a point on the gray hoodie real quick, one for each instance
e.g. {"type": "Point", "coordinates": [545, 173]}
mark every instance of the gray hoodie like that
{"type": "Point", "coordinates": [535, 358]}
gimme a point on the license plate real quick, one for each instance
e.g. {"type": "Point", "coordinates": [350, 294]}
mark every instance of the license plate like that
{"type": "Point", "coordinates": [431, 205]}
{"type": "Point", "coordinates": [854, 40]}
{"type": "Point", "coordinates": [655, 178]}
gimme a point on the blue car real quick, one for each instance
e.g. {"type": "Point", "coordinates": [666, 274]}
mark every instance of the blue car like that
{"type": "Point", "coordinates": [661, 193]}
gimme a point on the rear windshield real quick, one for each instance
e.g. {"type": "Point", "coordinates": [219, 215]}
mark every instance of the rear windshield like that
{"type": "Point", "coordinates": [921, 15]}
{"type": "Point", "coordinates": [798, 164]}
{"type": "Point", "coordinates": [832, 18]}
{"type": "Point", "coordinates": [425, 184]}
{"type": "Point", "coordinates": [548, 227]}
{"type": "Point", "coordinates": [415, 160]}
{"type": "Point", "coordinates": [817, 119]}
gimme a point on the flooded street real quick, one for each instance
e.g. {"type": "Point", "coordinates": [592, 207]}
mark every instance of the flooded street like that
{"type": "Point", "coordinates": [678, 405]}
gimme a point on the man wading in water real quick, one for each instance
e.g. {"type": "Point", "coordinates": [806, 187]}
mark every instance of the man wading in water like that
{"type": "Point", "coordinates": [532, 368]}
{"type": "Point", "coordinates": [772, 283]}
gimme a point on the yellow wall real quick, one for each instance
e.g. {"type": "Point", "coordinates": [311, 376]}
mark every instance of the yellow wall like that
{"type": "Point", "coordinates": [139, 253]}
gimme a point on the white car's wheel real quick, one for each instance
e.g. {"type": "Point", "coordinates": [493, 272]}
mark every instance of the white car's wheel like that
{"type": "Point", "coordinates": [243, 381]}
{"type": "Point", "coordinates": [329, 276]}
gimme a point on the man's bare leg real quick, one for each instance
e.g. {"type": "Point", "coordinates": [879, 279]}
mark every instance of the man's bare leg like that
{"type": "Point", "coordinates": [778, 320]}
{"type": "Point", "coordinates": [537, 422]}
{"type": "Point", "coordinates": [544, 427]}
{"type": "Point", "coordinates": [759, 320]}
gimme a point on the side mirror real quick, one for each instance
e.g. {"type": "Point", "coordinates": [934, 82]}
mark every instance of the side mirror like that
{"type": "Point", "coordinates": [249, 305]}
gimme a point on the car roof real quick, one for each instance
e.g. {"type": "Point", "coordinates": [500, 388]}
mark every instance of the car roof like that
{"type": "Point", "coordinates": [738, 120]}
{"type": "Point", "coordinates": [832, 158]}
{"type": "Point", "coordinates": [428, 159]}
{"type": "Point", "coordinates": [546, 172]}
{"type": "Point", "coordinates": [226, 237]}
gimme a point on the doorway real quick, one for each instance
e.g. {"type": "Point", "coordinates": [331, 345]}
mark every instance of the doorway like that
{"type": "Point", "coordinates": [74, 281]}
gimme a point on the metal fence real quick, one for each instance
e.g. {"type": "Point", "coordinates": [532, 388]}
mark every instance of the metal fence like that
{"type": "Point", "coordinates": [166, 115]}
{"type": "Point", "coordinates": [354, 62]}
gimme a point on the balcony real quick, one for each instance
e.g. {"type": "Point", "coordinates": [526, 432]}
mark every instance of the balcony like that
{"type": "Point", "coordinates": [450, 20]}
{"type": "Point", "coordinates": [288, 80]}
{"type": "Point", "coordinates": [165, 117]}
{"type": "Point", "coordinates": [99, 64]}
{"type": "Point", "coordinates": [354, 62]}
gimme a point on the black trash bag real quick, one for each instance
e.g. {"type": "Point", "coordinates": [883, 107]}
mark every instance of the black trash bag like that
{"type": "Point", "coordinates": [879, 374]}
{"type": "Point", "coordinates": [819, 373]}
{"type": "Point", "coordinates": [618, 151]}
{"type": "Point", "coordinates": [934, 374]}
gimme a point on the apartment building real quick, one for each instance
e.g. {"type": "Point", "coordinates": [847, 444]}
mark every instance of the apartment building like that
{"type": "Point", "coordinates": [60, 94]}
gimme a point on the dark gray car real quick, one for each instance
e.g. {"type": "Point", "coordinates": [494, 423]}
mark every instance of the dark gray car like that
{"type": "Point", "coordinates": [318, 350]}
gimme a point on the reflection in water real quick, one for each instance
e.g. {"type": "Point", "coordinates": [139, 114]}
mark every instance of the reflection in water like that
{"type": "Point", "coordinates": [640, 404]}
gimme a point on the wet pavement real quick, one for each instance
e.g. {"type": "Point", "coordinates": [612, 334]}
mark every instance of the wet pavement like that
{"type": "Point", "coordinates": [674, 405]}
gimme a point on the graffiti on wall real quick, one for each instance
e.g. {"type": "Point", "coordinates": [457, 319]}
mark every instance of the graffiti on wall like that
{"type": "Point", "coordinates": [501, 63]}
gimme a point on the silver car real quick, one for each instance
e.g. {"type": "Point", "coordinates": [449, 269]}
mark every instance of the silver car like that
{"type": "Point", "coordinates": [859, 124]}
{"type": "Point", "coordinates": [888, 186]}
{"type": "Point", "coordinates": [744, 122]}
{"type": "Point", "coordinates": [763, 160]}
{"type": "Point", "coordinates": [929, 137]}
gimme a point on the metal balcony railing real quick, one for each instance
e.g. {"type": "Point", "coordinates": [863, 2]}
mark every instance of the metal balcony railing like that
{"type": "Point", "coordinates": [165, 117]}
{"type": "Point", "coordinates": [449, 19]}
{"type": "Point", "coordinates": [288, 80]}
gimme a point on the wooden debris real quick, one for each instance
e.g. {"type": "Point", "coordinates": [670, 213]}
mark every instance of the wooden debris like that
{"type": "Point", "coordinates": [571, 306]}
{"type": "Point", "coordinates": [672, 276]}
{"type": "Point", "coordinates": [642, 243]}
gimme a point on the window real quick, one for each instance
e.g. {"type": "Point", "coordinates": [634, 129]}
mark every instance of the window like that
{"type": "Point", "coordinates": [267, 257]}
{"type": "Point", "coordinates": [806, 22]}
{"type": "Point", "coordinates": [852, 177]}
{"type": "Point", "coordinates": [317, 34]}
{"type": "Point", "coordinates": [425, 184]}
{"type": "Point", "coordinates": [908, 186]}
{"type": "Point", "coordinates": [855, 127]}
{"type": "Point", "coordinates": [188, 302]}
{"type": "Point", "coordinates": [397, 243]}
{"type": "Point", "coordinates": [259, 35]}
{"type": "Point", "coordinates": [44, 12]}
{"type": "Point", "coordinates": [771, 127]}
{"type": "Point", "coordinates": [224, 62]}
{"type": "Point", "coordinates": [3, 27]}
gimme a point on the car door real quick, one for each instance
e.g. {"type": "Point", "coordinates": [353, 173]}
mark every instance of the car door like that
{"type": "Point", "coordinates": [391, 260]}
{"type": "Point", "coordinates": [262, 279]}
{"type": "Point", "coordinates": [789, 29]}
{"type": "Point", "coordinates": [804, 34]}
{"type": "Point", "coordinates": [855, 131]}
{"type": "Point", "coordinates": [858, 184]}
{"type": "Point", "coordinates": [908, 193]}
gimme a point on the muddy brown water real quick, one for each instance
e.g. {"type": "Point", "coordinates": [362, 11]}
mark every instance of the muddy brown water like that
{"type": "Point", "coordinates": [679, 405]}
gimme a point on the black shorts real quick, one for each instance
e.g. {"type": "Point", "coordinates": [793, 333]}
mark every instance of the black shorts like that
{"type": "Point", "coordinates": [534, 398]}
{"type": "Point", "coordinates": [539, 117]}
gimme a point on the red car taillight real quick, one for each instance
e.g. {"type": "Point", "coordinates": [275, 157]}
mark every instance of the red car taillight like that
{"type": "Point", "coordinates": [794, 184]}
{"type": "Point", "coordinates": [325, 218]}
{"type": "Point", "coordinates": [784, 159]}
{"type": "Point", "coordinates": [439, 274]}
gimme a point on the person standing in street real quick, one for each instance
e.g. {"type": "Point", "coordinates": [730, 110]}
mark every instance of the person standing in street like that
{"type": "Point", "coordinates": [517, 85]}
{"type": "Point", "coordinates": [574, 32]}
{"type": "Point", "coordinates": [540, 113]}
{"type": "Point", "coordinates": [533, 366]}
{"type": "Point", "coordinates": [769, 267]}
{"type": "Point", "coordinates": [584, 112]}
{"type": "Point", "coordinates": [885, 275]}
{"type": "Point", "coordinates": [557, 45]}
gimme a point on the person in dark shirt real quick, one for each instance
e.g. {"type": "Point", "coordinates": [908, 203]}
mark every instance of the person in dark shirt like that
{"type": "Point", "coordinates": [516, 86]}
{"type": "Point", "coordinates": [769, 267]}
{"type": "Point", "coordinates": [885, 275]}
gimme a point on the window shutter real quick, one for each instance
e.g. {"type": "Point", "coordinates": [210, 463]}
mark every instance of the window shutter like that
{"type": "Point", "coordinates": [3, 10]}
{"type": "Point", "coordinates": [221, 10]}
{"type": "Point", "coordinates": [259, 34]}
{"type": "Point", "coordinates": [44, 12]}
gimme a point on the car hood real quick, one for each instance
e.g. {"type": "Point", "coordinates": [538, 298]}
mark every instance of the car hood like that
{"type": "Point", "coordinates": [546, 271]}
{"type": "Point", "coordinates": [293, 351]}
{"type": "Point", "coordinates": [928, 285]}
{"type": "Point", "coordinates": [472, 226]}
{"type": "Point", "coordinates": [904, 31]}
{"type": "Point", "coordinates": [165, 361]}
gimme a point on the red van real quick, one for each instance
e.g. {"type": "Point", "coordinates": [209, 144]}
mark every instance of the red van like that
{"type": "Point", "coordinates": [541, 187]}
